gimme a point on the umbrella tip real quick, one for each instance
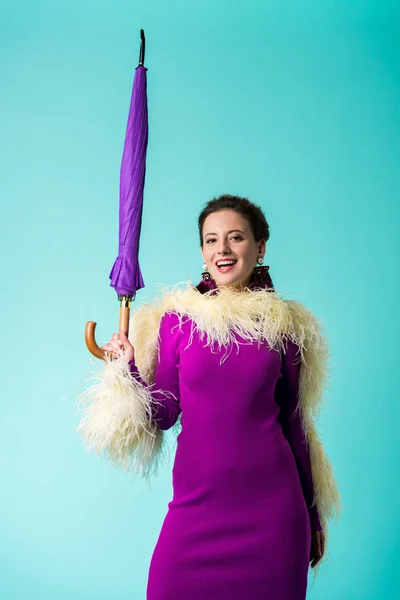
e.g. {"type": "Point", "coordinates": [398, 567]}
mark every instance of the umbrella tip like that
{"type": "Point", "coordinates": [142, 48]}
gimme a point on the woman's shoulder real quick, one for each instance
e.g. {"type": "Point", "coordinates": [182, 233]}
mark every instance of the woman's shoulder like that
{"type": "Point", "coordinates": [302, 316]}
{"type": "Point", "coordinates": [164, 311]}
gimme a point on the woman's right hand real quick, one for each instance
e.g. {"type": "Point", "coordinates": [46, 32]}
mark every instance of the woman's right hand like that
{"type": "Point", "coordinates": [119, 343]}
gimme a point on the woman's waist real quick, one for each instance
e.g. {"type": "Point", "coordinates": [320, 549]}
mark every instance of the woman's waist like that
{"type": "Point", "coordinates": [232, 458]}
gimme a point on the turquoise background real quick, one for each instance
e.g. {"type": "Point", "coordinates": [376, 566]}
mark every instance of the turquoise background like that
{"type": "Point", "coordinates": [293, 104]}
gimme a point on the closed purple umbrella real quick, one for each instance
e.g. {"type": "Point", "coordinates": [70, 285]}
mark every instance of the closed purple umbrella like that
{"type": "Point", "coordinates": [126, 277]}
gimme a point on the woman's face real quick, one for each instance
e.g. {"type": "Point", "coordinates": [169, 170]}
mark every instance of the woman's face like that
{"type": "Point", "coordinates": [227, 235]}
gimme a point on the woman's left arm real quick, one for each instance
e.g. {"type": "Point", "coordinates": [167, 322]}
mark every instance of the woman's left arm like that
{"type": "Point", "coordinates": [287, 397]}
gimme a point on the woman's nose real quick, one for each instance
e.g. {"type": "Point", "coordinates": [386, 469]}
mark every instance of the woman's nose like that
{"type": "Point", "coordinates": [224, 248]}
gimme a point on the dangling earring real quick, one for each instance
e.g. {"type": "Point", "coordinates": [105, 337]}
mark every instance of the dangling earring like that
{"type": "Point", "coordinates": [261, 277]}
{"type": "Point", "coordinates": [207, 283]}
{"type": "Point", "coordinates": [205, 274]}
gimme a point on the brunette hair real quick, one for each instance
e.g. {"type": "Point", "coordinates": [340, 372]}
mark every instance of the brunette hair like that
{"type": "Point", "coordinates": [251, 212]}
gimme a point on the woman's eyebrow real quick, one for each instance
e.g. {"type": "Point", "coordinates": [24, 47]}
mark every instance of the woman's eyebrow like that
{"type": "Point", "coordinates": [230, 231]}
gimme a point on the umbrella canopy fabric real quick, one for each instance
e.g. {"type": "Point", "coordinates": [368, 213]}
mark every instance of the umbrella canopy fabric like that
{"type": "Point", "coordinates": [126, 277]}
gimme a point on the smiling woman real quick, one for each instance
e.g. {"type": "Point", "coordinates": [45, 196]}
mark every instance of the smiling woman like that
{"type": "Point", "coordinates": [252, 487]}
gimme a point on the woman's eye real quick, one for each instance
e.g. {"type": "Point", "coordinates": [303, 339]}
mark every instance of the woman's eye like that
{"type": "Point", "coordinates": [235, 237]}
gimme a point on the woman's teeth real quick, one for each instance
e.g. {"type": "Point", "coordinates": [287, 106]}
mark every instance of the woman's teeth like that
{"type": "Point", "coordinates": [224, 268]}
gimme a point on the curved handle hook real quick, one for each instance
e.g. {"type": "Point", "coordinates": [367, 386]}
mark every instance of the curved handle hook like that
{"type": "Point", "coordinates": [124, 313]}
{"type": "Point", "coordinates": [91, 342]}
{"type": "Point", "coordinates": [142, 48]}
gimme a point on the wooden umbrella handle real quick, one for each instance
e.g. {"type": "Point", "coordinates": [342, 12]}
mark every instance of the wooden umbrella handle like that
{"type": "Point", "coordinates": [91, 342]}
{"type": "Point", "coordinates": [90, 328]}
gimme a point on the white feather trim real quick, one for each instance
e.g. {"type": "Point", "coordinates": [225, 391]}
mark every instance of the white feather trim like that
{"type": "Point", "coordinates": [116, 420]}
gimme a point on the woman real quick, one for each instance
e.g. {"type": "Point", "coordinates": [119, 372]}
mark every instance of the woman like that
{"type": "Point", "coordinates": [244, 371]}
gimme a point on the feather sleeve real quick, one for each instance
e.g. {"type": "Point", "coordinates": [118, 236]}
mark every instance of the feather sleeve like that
{"type": "Point", "coordinates": [307, 333]}
{"type": "Point", "coordinates": [125, 412]}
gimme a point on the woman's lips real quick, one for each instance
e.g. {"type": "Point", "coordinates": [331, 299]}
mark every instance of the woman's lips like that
{"type": "Point", "coordinates": [225, 269]}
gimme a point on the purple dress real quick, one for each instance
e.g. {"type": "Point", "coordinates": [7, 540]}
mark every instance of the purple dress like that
{"type": "Point", "coordinates": [239, 523]}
